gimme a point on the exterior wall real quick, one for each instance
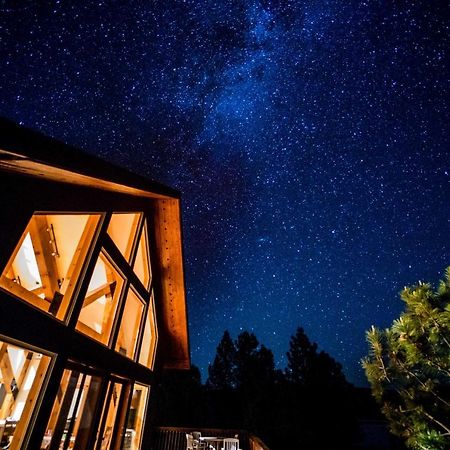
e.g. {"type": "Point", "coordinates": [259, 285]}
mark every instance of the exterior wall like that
{"type": "Point", "coordinates": [104, 365]}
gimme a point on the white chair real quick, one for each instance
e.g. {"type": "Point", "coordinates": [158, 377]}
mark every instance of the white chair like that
{"type": "Point", "coordinates": [231, 444]}
{"type": "Point", "coordinates": [189, 442]}
{"type": "Point", "coordinates": [198, 444]}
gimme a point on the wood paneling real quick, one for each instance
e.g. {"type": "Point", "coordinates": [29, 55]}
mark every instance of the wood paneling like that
{"type": "Point", "coordinates": [171, 302]}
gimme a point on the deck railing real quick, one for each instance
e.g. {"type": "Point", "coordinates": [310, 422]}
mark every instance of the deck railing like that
{"type": "Point", "coordinates": [170, 438]}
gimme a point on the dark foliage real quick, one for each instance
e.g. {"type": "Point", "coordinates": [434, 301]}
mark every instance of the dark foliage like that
{"type": "Point", "coordinates": [222, 371]}
{"type": "Point", "coordinates": [308, 406]}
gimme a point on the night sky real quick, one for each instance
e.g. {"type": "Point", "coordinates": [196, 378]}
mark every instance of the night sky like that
{"type": "Point", "coordinates": [309, 140]}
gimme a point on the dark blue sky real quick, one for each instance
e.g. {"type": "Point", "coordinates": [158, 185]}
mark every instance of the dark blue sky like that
{"type": "Point", "coordinates": [309, 139]}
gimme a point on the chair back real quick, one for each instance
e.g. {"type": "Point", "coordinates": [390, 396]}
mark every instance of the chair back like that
{"type": "Point", "coordinates": [189, 442]}
{"type": "Point", "coordinates": [231, 444]}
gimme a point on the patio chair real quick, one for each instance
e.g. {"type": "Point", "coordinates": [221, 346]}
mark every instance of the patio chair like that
{"type": "Point", "coordinates": [189, 442]}
{"type": "Point", "coordinates": [231, 444]}
{"type": "Point", "coordinates": [198, 444]}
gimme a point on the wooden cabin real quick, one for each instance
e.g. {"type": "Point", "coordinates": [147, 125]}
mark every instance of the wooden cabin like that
{"type": "Point", "coordinates": [92, 296]}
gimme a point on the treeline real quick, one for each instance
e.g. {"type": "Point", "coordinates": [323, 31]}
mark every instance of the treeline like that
{"type": "Point", "coordinates": [308, 405]}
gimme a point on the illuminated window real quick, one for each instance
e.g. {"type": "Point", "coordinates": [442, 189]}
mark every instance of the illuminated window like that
{"type": "Point", "coordinates": [48, 260]}
{"type": "Point", "coordinates": [122, 230]}
{"type": "Point", "coordinates": [70, 423]}
{"type": "Point", "coordinates": [142, 263]}
{"type": "Point", "coordinates": [129, 327]}
{"type": "Point", "coordinates": [100, 304]}
{"type": "Point", "coordinates": [22, 373]}
{"type": "Point", "coordinates": [109, 417]}
{"type": "Point", "coordinates": [136, 415]}
{"type": "Point", "coordinates": [150, 338]}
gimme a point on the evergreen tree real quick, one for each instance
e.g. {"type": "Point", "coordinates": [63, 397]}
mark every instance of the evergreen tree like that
{"type": "Point", "coordinates": [408, 367]}
{"type": "Point", "coordinates": [302, 352]}
{"type": "Point", "coordinates": [221, 373]}
{"type": "Point", "coordinates": [307, 367]}
{"type": "Point", "coordinates": [246, 359]}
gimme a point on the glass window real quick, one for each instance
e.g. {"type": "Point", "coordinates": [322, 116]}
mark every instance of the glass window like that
{"type": "Point", "coordinates": [22, 373]}
{"type": "Point", "coordinates": [100, 304]}
{"type": "Point", "coordinates": [71, 419]}
{"type": "Point", "coordinates": [150, 338]}
{"type": "Point", "coordinates": [109, 416]}
{"type": "Point", "coordinates": [122, 230]}
{"type": "Point", "coordinates": [142, 263]}
{"type": "Point", "coordinates": [136, 416]}
{"type": "Point", "coordinates": [48, 260]}
{"type": "Point", "coordinates": [130, 325]}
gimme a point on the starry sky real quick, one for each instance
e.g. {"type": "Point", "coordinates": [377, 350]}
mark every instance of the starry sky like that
{"type": "Point", "coordinates": [309, 140]}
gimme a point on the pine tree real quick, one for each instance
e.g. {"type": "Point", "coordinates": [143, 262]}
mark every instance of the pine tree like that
{"type": "Point", "coordinates": [302, 352]}
{"type": "Point", "coordinates": [223, 370]}
{"type": "Point", "coordinates": [307, 367]}
{"type": "Point", "coordinates": [408, 367]}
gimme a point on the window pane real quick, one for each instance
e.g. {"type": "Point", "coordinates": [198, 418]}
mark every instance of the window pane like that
{"type": "Point", "coordinates": [136, 416]}
{"type": "Point", "coordinates": [129, 327]}
{"type": "Point", "coordinates": [142, 264]}
{"type": "Point", "coordinates": [21, 376]}
{"type": "Point", "coordinates": [122, 230]}
{"type": "Point", "coordinates": [48, 259]}
{"type": "Point", "coordinates": [100, 304]}
{"type": "Point", "coordinates": [70, 424]}
{"type": "Point", "coordinates": [109, 415]}
{"type": "Point", "coordinates": [150, 338]}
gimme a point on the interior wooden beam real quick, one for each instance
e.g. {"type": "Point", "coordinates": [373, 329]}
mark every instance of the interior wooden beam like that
{"type": "Point", "coordinates": [43, 249]}
{"type": "Point", "coordinates": [38, 291]}
{"type": "Point", "coordinates": [23, 373]}
{"type": "Point", "coordinates": [6, 367]}
{"type": "Point", "coordinates": [110, 307]}
{"type": "Point", "coordinates": [89, 331]}
{"type": "Point", "coordinates": [76, 265]}
{"type": "Point", "coordinates": [58, 400]}
{"type": "Point", "coordinates": [106, 289]}
{"type": "Point", "coordinates": [8, 401]}
{"type": "Point", "coordinates": [19, 291]}
{"type": "Point", "coordinates": [33, 394]}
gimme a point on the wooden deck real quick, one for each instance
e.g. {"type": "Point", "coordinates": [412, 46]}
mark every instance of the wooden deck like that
{"type": "Point", "coordinates": [170, 438]}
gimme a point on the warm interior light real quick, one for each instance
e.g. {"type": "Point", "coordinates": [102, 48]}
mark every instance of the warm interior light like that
{"type": "Point", "coordinates": [48, 260]}
{"type": "Point", "coordinates": [130, 324]}
{"type": "Point", "coordinates": [136, 416]}
{"type": "Point", "coordinates": [142, 263]}
{"type": "Point", "coordinates": [100, 304]}
{"type": "Point", "coordinates": [122, 230]}
{"type": "Point", "coordinates": [150, 338]}
{"type": "Point", "coordinates": [22, 373]}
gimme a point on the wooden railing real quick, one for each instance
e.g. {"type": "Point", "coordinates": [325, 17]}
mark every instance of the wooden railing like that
{"type": "Point", "coordinates": [170, 438]}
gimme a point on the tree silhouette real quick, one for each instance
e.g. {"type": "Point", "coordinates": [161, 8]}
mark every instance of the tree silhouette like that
{"type": "Point", "coordinates": [306, 367]}
{"type": "Point", "coordinates": [221, 373]}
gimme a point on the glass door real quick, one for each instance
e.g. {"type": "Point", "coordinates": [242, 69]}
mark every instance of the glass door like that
{"type": "Point", "coordinates": [87, 409]}
{"type": "Point", "coordinates": [73, 411]}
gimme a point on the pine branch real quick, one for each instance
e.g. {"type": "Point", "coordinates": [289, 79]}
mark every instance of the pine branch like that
{"type": "Point", "coordinates": [437, 422]}
{"type": "Point", "coordinates": [422, 384]}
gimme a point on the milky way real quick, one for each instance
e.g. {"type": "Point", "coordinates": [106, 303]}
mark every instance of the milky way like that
{"type": "Point", "coordinates": [309, 140]}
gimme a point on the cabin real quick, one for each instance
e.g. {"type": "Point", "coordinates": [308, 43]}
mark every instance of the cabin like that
{"type": "Point", "coordinates": [92, 296]}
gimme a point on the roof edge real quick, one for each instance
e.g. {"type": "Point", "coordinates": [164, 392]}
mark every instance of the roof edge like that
{"type": "Point", "coordinates": [25, 150]}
